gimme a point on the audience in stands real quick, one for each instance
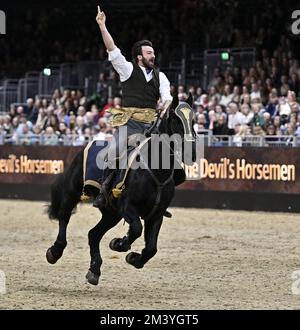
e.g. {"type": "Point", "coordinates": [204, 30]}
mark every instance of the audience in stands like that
{"type": "Point", "coordinates": [239, 101]}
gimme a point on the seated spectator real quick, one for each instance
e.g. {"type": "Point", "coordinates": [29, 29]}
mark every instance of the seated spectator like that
{"type": "Point", "coordinates": [62, 129]}
{"type": "Point", "coordinates": [247, 113]}
{"type": "Point", "coordinates": [235, 117]}
{"type": "Point", "coordinates": [271, 107]}
{"type": "Point", "coordinates": [212, 93]}
{"type": "Point", "coordinates": [200, 110]}
{"type": "Point", "coordinates": [99, 134]}
{"type": "Point", "coordinates": [236, 96]}
{"type": "Point", "coordinates": [290, 132]}
{"type": "Point", "coordinates": [6, 125]}
{"type": "Point", "coordinates": [291, 98]}
{"type": "Point", "coordinates": [220, 111]}
{"type": "Point", "coordinates": [197, 98]}
{"type": "Point", "coordinates": [23, 136]}
{"type": "Point", "coordinates": [212, 119]}
{"type": "Point", "coordinates": [31, 111]}
{"type": "Point", "coordinates": [83, 137]}
{"type": "Point", "coordinates": [258, 119]}
{"type": "Point", "coordinates": [81, 111]}
{"type": "Point", "coordinates": [277, 125]}
{"type": "Point", "coordinates": [245, 99]}
{"type": "Point", "coordinates": [240, 134]}
{"type": "Point", "coordinates": [42, 118]}
{"type": "Point", "coordinates": [221, 128]}
{"type": "Point", "coordinates": [89, 120]}
{"type": "Point", "coordinates": [284, 109]}
{"type": "Point", "coordinates": [267, 120]}
{"type": "Point", "coordinates": [257, 130]}
{"type": "Point", "coordinates": [201, 122]}
{"type": "Point", "coordinates": [255, 92]}
{"type": "Point", "coordinates": [36, 130]}
{"type": "Point", "coordinates": [227, 96]}
{"type": "Point", "coordinates": [49, 137]}
{"type": "Point", "coordinates": [270, 137]}
{"type": "Point", "coordinates": [54, 123]}
{"type": "Point", "coordinates": [204, 101]}
{"type": "Point", "coordinates": [271, 133]}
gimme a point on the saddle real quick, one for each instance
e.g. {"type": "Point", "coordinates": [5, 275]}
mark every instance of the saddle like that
{"type": "Point", "coordinates": [93, 171]}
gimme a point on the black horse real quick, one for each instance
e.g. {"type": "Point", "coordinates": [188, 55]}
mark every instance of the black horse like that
{"type": "Point", "coordinates": [147, 195]}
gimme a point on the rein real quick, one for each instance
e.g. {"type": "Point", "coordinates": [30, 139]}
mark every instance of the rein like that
{"type": "Point", "coordinates": [160, 186]}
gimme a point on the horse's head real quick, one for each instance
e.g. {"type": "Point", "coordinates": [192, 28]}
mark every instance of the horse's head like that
{"type": "Point", "coordinates": [180, 121]}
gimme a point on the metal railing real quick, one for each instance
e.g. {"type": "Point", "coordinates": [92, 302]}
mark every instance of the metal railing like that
{"type": "Point", "coordinates": [49, 79]}
{"type": "Point", "coordinates": [28, 87]}
{"type": "Point", "coordinates": [251, 141]}
{"type": "Point", "coordinates": [8, 94]}
{"type": "Point", "coordinates": [45, 139]}
{"type": "Point", "coordinates": [209, 140]}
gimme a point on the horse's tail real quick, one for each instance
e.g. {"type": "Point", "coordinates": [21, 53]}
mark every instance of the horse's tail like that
{"type": "Point", "coordinates": [66, 189]}
{"type": "Point", "coordinates": [57, 192]}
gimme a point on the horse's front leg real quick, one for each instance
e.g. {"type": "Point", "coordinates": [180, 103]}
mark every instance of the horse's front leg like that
{"type": "Point", "coordinates": [152, 227]}
{"type": "Point", "coordinates": [131, 216]}
{"type": "Point", "coordinates": [108, 221]}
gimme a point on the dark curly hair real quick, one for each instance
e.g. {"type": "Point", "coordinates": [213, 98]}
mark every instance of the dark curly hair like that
{"type": "Point", "coordinates": [137, 48]}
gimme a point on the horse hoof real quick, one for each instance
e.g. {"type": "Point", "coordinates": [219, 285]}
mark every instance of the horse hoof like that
{"type": "Point", "coordinates": [50, 257]}
{"type": "Point", "coordinates": [113, 243]}
{"type": "Point", "coordinates": [92, 278]}
{"type": "Point", "coordinates": [132, 258]}
{"type": "Point", "coordinates": [117, 244]}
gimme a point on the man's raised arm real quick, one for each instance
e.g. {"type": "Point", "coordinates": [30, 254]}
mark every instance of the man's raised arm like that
{"type": "Point", "coordinates": [107, 38]}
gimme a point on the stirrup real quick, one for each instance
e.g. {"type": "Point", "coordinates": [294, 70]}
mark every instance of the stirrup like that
{"type": "Point", "coordinates": [102, 199]}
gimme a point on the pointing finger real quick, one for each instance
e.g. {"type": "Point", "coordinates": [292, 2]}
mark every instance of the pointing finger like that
{"type": "Point", "coordinates": [99, 10]}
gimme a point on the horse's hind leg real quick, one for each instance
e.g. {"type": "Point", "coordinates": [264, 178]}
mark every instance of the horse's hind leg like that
{"type": "Point", "coordinates": [152, 228]}
{"type": "Point", "coordinates": [65, 195]}
{"type": "Point", "coordinates": [108, 221]}
{"type": "Point", "coordinates": [131, 216]}
{"type": "Point", "coordinates": [55, 252]}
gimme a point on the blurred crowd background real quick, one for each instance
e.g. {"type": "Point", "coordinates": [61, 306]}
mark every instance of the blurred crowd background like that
{"type": "Point", "coordinates": [238, 101]}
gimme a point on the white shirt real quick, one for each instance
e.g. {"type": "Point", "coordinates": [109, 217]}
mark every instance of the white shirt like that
{"type": "Point", "coordinates": [255, 95]}
{"type": "Point", "coordinates": [236, 119]}
{"type": "Point", "coordinates": [99, 137]}
{"type": "Point", "coordinates": [225, 100]}
{"type": "Point", "coordinates": [125, 68]}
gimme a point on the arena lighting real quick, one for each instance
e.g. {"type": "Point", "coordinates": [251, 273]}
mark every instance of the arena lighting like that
{"type": "Point", "coordinates": [47, 72]}
{"type": "Point", "coordinates": [225, 56]}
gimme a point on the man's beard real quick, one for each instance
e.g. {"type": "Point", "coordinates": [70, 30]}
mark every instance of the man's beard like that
{"type": "Point", "coordinates": [148, 64]}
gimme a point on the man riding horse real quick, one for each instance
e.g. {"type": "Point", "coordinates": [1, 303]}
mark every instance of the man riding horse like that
{"type": "Point", "coordinates": [148, 190]}
{"type": "Point", "coordinates": [142, 86]}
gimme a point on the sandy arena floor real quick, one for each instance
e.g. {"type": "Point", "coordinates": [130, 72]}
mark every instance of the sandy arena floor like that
{"type": "Point", "coordinates": [206, 260]}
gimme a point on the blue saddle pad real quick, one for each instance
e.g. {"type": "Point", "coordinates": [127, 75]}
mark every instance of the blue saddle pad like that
{"type": "Point", "coordinates": [93, 168]}
{"type": "Point", "coordinates": [92, 171]}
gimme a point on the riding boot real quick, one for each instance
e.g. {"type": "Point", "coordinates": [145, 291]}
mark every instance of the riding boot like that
{"type": "Point", "coordinates": [102, 199]}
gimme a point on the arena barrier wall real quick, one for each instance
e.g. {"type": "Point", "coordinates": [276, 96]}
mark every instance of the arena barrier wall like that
{"type": "Point", "coordinates": [226, 178]}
